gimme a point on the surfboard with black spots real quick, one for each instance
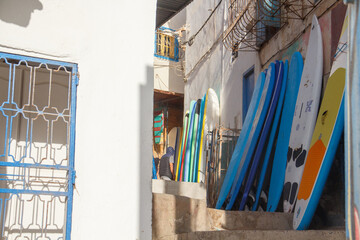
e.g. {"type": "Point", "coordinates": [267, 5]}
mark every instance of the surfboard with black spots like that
{"type": "Point", "coordinates": [305, 114]}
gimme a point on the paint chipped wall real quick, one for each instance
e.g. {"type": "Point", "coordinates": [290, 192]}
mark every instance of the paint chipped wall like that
{"type": "Point", "coordinates": [294, 36]}
{"type": "Point", "coordinates": [210, 65]}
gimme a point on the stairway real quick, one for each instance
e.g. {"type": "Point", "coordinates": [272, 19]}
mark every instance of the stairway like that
{"type": "Point", "coordinates": [177, 217]}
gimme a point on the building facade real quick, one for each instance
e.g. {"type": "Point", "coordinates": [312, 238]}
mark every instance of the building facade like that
{"type": "Point", "coordinates": [111, 139]}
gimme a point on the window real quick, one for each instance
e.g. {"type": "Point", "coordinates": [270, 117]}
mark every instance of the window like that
{"type": "Point", "coordinates": [248, 89]}
{"type": "Point", "coordinates": [166, 44]}
{"type": "Point", "coordinates": [37, 142]}
{"type": "Point", "coordinates": [269, 12]}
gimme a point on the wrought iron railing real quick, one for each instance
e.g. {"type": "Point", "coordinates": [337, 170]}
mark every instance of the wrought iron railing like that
{"type": "Point", "coordinates": [252, 22]}
{"type": "Point", "coordinates": [37, 139]}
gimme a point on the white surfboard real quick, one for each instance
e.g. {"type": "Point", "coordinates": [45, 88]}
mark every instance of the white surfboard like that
{"type": "Point", "coordinates": [305, 114]}
{"type": "Point", "coordinates": [172, 137]}
{"type": "Point", "coordinates": [318, 165]}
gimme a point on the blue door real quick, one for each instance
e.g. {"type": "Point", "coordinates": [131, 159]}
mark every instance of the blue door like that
{"type": "Point", "coordinates": [248, 89]}
{"type": "Point", "coordinates": [37, 139]}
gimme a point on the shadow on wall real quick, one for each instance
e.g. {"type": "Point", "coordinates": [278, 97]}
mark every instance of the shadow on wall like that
{"type": "Point", "coordinates": [23, 8]}
{"type": "Point", "coordinates": [145, 147]}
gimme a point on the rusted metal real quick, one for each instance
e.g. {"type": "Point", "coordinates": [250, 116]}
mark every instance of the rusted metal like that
{"type": "Point", "coordinates": [222, 142]}
{"type": "Point", "coordinates": [249, 20]}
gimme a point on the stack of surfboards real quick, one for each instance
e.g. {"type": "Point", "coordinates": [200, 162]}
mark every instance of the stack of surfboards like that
{"type": "Point", "coordinates": [287, 144]}
{"type": "Point", "coordinates": [202, 117]}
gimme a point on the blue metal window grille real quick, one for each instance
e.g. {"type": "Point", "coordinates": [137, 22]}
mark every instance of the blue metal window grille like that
{"type": "Point", "coordinates": [166, 44]}
{"type": "Point", "coordinates": [270, 21]}
{"type": "Point", "coordinates": [37, 140]}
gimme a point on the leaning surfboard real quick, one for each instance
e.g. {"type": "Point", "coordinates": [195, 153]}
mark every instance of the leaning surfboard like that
{"type": "Point", "coordinates": [193, 140]}
{"type": "Point", "coordinates": [328, 129]}
{"type": "Point", "coordinates": [271, 142]}
{"type": "Point", "coordinates": [352, 127]}
{"type": "Point", "coordinates": [253, 136]}
{"type": "Point", "coordinates": [172, 135]}
{"type": "Point", "coordinates": [279, 163]}
{"type": "Point", "coordinates": [326, 137]}
{"type": "Point", "coordinates": [304, 116]}
{"type": "Point", "coordinates": [189, 140]}
{"type": "Point", "coordinates": [172, 141]}
{"type": "Point", "coordinates": [177, 153]}
{"type": "Point", "coordinates": [264, 134]}
{"type": "Point", "coordinates": [210, 121]}
{"type": "Point", "coordinates": [202, 156]}
{"type": "Point", "coordinates": [239, 148]}
{"type": "Point", "coordinates": [199, 136]}
{"type": "Point", "coordinates": [181, 157]}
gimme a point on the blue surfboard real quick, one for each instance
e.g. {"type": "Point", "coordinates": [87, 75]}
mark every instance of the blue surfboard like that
{"type": "Point", "coordinates": [280, 158]}
{"type": "Point", "coordinates": [193, 140]}
{"type": "Point", "coordinates": [272, 136]}
{"type": "Point", "coordinates": [188, 145]}
{"type": "Point", "coordinates": [264, 134]}
{"type": "Point", "coordinates": [198, 138]}
{"type": "Point", "coordinates": [154, 176]}
{"type": "Point", "coordinates": [240, 145]}
{"type": "Point", "coordinates": [254, 134]}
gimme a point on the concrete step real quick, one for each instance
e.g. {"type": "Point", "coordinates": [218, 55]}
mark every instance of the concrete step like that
{"type": "Point", "coordinates": [240, 220]}
{"type": "Point", "coordinates": [184, 189]}
{"type": "Point", "coordinates": [259, 235]}
{"type": "Point", "coordinates": [176, 214]}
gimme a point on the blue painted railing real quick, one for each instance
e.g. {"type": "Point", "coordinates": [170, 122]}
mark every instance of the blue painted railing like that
{"type": "Point", "coordinates": [37, 146]}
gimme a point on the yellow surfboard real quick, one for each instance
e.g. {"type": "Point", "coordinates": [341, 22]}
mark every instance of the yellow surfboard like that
{"type": "Point", "coordinates": [202, 140]}
{"type": "Point", "coordinates": [328, 129]}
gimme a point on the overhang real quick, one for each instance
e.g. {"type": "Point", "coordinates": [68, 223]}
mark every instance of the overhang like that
{"type": "Point", "coordinates": [166, 9]}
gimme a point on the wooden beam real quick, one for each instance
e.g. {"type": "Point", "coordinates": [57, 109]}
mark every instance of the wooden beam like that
{"type": "Point", "coordinates": [168, 93]}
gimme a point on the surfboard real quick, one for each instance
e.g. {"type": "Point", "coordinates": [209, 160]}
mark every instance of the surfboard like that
{"type": "Point", "coordinates": [326, 137]}
{"type": "Point", "coordinates": [240, 144]}
{"type": "Point", "coordinates": [324, 142]}
{"type": "Point", "coordinates": [198, 140]}
{"type": "Point", "coordinates": [181, 157]}
{"type": "Point", "coordinates": [279, 162]}
{"type": "Point", "coordinates": [304, 116]}
{"type": "Point", "coordinates": [352, 128]}
{"type": "Point", "coordinates": [172, 141]}
{"type": "Point", "coordinates": [177, 153]}
{"type": "Point", "coordinates": [153, 169]}
{"type": "Point", "coordinates": [193, 140]}
{"type": "Point", "coordinates": [177, 147]}
{"type": "Point", "coordinates": [272, 138]}
{"type": "Point", "coordinates": [253, 136]}
{"type": "Point", "coordinates": [158, 125]}
{"type": "Point", "coordinates": [264, 134]}
{"type": "Point", "coordinates": [212, 120]}
{"type": "Point", "coordinates": [189, 140]}
{"type": "Point", "coordinates": [202, 160]}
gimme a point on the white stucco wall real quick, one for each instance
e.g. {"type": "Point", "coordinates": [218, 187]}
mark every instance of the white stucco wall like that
{"type": "Point", "coordinates": [169, 75]}
{"type": "Point", "coordinates": [209, 64]}
{"type": "Point", "coordinates": [112, 43]}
